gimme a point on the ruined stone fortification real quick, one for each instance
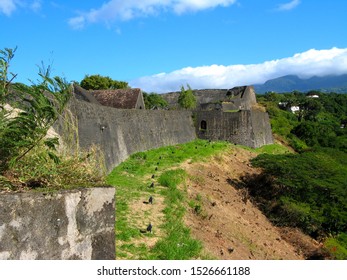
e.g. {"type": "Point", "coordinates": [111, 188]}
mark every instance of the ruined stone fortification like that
{"type": "Point", "coordinates": [247, 127]}
{"type": "Point", "coordinates": [239, 98]}
{"type": "Point", "coordinates": [229, 114]}
{"type": "Point", "coordinates": [79, 224]}
{"type": "Point", "coordinates": [122, 132]}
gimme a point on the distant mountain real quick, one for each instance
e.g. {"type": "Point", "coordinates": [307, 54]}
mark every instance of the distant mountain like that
{"type": "Point", "coordinates": [289, 83]}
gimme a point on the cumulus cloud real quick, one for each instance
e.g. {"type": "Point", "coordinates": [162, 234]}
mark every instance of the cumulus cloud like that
{"type": "Point", "coordinates": [305, 65]}
{"type": "Point", "coordinates": [288, 6]}
{"type": "Point", "coordinates": [7, 7]}
{"type": "Point", "coordinates": [126, 10]}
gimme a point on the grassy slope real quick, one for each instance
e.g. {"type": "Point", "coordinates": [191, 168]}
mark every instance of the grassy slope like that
{"type": "Point", "coordinates": [170, 238]}
{"type": "Point", "coordinates": [132, 179]}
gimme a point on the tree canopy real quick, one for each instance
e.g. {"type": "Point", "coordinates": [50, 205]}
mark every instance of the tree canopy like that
{"type": "Point", "coordinates": [154, 100]}
{"type": "Point", "coordinates": [187, 99]}
{"type": "Point", "coordinates": [97, 82]}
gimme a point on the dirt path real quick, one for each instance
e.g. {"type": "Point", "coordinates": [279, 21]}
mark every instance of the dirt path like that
{"type": "Point", "coordinates": [227, 223]}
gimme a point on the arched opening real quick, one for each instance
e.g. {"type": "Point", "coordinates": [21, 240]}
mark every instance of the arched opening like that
{"type": "Point", "coordinates": [203, 125]}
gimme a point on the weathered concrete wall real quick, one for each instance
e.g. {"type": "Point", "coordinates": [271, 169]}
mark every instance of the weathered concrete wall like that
{"type": "Point", "coordinates": [77, 224]}
{"type": "Point", "coordinates": [120, 133]}
{"type": "Point", "coordinates": [250, 128]}
{"type": "Point", "coordinates": [242, 97]}
{"type": "Point", "coordinates": [202, 96]}
{"type": "Point", "coordinates": [261, 128]}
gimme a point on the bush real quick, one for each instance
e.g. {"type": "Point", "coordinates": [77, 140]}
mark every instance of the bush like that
{"type": "Point", "coordinates": [337, 246]}
{"type": "Point", "coordinates": [28, 158]}
{"type": "Point", "coordinates": [187, 99]}
{"type": "Point", "coordinates": [307, 190]}
{"type": "Point", "coordinates": [97, 82]}
{"type": "Point", "coordinates": [41, 104]}
{"type": "Point", "coordinates": [154, 101]}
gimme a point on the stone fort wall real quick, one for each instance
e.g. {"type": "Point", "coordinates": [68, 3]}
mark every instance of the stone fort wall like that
{"type": "Point", "coordinates": [250, 127]}
{"type": "Point", "coordinates": [122, 132]}
{"type": "Point", "coordinates": [242, 97]}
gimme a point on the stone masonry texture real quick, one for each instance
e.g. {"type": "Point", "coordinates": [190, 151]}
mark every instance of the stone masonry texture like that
{"type": "Point", "coordinates": [121, 132]}
{"type": "Point", "coordinates": [76, 224]}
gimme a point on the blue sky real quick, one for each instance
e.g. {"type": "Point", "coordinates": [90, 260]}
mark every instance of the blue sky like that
{"type": "Point", "coordinates": [161, 45]}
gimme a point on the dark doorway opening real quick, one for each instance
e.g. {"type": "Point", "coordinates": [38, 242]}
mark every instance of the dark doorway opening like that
{"type": "Point", "coordinates": [203, 125]}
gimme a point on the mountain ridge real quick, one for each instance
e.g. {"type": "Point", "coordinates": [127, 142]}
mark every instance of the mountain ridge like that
{"type": "Point", "coordinates": [288, 83]}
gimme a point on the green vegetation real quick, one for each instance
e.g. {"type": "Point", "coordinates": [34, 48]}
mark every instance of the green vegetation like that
{"type": "Point", "coordinates": [177, 244]}
{"type": "Point", "coordinates": [154, 101]}
{"type": "Point", "coordinates": [187, 99]}
{"type": "Point", "coordinates": [132, 179]}
{"type": "Point", "coordinates": [97, 82]}
{"type": "Point", "coordinates": [318, 123]}
{"type": "Point", "coordinates": [197, 206]}
{"type": "Point", "coordinates": [338, 246]}
{"type": "Point", "coordinates": [28, 157]}
{"type": "Point", "coordinates": [306, 190]}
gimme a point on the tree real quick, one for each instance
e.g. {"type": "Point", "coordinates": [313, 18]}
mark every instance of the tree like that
{"type": "Point", "coordinates": [97, 82]}
{"type": "Point", "coordinates": [187, 99]}
{"type": "Point", "coordinates": [309, 109]}
{"type": "Point", "coordinates": [154, 100]}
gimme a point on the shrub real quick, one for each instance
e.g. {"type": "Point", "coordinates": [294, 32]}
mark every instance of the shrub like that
{"type": "Point", "coordinates": [28, 157]}
{"type": "Point", "coordinates": [41, 104]}
{"type": "Point", "coordinates": [307, 190]}
{"type": "Point", "coordinates": [187, 99]}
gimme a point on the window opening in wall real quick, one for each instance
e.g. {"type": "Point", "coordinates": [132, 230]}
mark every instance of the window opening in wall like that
{"type": "Point", "coordinates": [203, 125]}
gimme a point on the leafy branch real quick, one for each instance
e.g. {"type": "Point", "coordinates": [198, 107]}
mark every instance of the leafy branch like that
{"type": "Point", "coordinates": [40, 106]}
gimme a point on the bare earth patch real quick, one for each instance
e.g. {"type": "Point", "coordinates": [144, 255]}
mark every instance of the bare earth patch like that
{"type": "Point", "coordinates": [144, 213]}
{"type": "Point", "coordinates": [226, 221]}
{"type": "Point", "coordinates": [229, 225]}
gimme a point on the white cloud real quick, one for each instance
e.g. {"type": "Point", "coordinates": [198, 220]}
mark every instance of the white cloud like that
{"type": "Point", "coordinates": [77, 22]}
{"type": "Point", "coordinates": [307, 64]}
{"type": "Point", "coordinates": [7, 7]}
{"type": "Point", "coordinates": [36, 5]}
{"type": "Point", "coordinates": [288, 6]}
{"type": "Point", "coordinates": [126, 10]}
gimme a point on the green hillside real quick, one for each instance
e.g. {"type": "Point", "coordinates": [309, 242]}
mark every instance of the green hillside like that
{"type": "Point", "coordinates": [307, 189]}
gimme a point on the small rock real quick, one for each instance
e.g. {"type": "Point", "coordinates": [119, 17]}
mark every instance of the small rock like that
{"type": "Point", "coordinates": [230, 250]}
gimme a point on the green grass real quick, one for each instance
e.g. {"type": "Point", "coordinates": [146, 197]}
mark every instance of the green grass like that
{"type": "Point", "coordinates": [337, 246]}
{"type": "Point", "coordinates": [37, 171]}
{"type": "Point", "coordinates": [132, 180]}
{"type": "Point", "coordinates": [272, 149]}
{"type": "Point", "coordinates": [178, 244]}
{"type": "Point", "coordinates": [171, 178]}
